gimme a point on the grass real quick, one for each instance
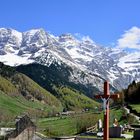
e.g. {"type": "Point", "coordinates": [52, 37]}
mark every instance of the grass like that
{"type": "Point", "coordinates": [19, 94]}
{"type": "Point", "coordinates": [136, 107]}
{"type": "Point", "coordinates": [65, 126]}
{"type": "Point", "coordinates": [27, 85]}
{"type": "Point", "coordinates": [7, 87]}
{"type": "Point", "coordinates": [116, 113]}
{"type": "Point", "coordinates": [62, 126]}
{"type": "Point", "coordinates": [73, 99]}
{"type": "Point", "coordinates": [20, 85]}
{"type": "Point", "coordinates": [58, 126]}
{"type": "Point", "coordinates": [10, 107]}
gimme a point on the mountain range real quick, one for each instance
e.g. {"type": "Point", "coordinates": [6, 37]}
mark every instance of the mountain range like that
{"type": "Point", "coordinates": [82, 61]}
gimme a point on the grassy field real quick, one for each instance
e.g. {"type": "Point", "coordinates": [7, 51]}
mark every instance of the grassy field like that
{"type": "Point", "coordinates": [10, 107]}
{"type": "Point", "coordinates": [56, 127]}
{"type": "Point", "coordinates": [70, 125]}
{"type": "Point", "coordinates": [116, 113]}
{"type": "Point", "coordinates": [66, 125]}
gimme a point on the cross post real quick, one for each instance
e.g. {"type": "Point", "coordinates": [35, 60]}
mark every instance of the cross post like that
{"type": "Point", "coordinates": [105, 97]}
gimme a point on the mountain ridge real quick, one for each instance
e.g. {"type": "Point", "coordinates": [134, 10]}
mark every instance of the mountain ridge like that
{"type": "Point", "coordinates": [118, 67]}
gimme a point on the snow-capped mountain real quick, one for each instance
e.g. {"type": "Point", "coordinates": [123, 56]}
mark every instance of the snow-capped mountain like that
{"type": "Point", "coordinates": [82, 55]}
{"type": "Point", "coordinates": [10, 40]}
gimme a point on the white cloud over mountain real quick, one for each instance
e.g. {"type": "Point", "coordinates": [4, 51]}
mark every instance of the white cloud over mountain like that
{"type": "Point", "coordinates": [130, 39]}
{"type": "Point", "coordinates": [83, 38]}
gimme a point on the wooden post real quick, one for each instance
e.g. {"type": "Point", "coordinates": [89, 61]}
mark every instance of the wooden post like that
{"type": "Point", "coordinates": [106, 114]}
{"type": "Point", "coordinates": [106, 96]}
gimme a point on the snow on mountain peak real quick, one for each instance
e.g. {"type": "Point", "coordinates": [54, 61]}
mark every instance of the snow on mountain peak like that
{"type": "Point", "coordinates": [129, 61]}
{"type": "Point", "coordinates": [36, 45]}
{"type": "Point", "coordinates": [33, 40]}
{"type": "Point", "coordinates": [87, 39]}
{"type": "Point", "coordinates": [32, 32]}
{"type": "Point", "coordinates": [10, 40]}
{"type": "Point", "coordinates": [66, 37]}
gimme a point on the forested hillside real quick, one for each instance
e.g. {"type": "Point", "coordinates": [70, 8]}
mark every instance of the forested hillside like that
{"type": "Point", "coordinates": [20, 94]}
{"type": "Point", "coordinates": [132, 93]}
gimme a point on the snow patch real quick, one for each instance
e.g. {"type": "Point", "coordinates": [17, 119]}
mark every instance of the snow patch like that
{"type": "Point", "coordinates": [14, 60]}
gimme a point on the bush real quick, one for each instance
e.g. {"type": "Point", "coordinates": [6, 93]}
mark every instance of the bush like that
{"type": "Point", "coordinates": [85, 121]}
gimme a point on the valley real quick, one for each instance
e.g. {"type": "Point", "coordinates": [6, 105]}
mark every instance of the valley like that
{"type": "Point", "coordinates": [54, 80]}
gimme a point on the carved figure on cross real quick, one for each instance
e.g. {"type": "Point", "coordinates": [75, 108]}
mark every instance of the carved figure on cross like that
{"type": "Point", "coordinates": [105, 101]}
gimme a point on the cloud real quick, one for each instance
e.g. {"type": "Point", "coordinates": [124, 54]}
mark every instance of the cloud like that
{"type": "Point", "coordinates": [83, 38]}
{"type": "Point", "coordinates": [130, 39]}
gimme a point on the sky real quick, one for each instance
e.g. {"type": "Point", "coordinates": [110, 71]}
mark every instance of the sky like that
{"type": "Point", "coordinates": [107, 22]}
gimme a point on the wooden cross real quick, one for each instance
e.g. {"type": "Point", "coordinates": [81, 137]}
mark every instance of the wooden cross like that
{"type": "Point", "coordinates": [105, 98]}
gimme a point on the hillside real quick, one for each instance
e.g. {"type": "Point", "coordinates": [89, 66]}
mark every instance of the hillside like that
{"type": "Point", "coordinates": [55, 79]}
{"type": "Point", "coordinates": [14, 82]}
{"type": "Point", "coordinates": [74, 100]}
{"type": "Point", "coordinates": [12, 106]}
{"type": "Point", "coordinates": [58, 75]}
{"type": "Point", "coordinates": [20, 94]}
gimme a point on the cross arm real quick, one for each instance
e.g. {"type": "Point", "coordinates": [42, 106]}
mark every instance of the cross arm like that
{"type": "Point", "coordinates": [100, 96]}
{"type": "Point", "coordinates": [113, 96]}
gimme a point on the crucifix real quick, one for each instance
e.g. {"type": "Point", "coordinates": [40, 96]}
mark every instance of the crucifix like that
{"type": "Point", "coordinates": [105, 98]}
